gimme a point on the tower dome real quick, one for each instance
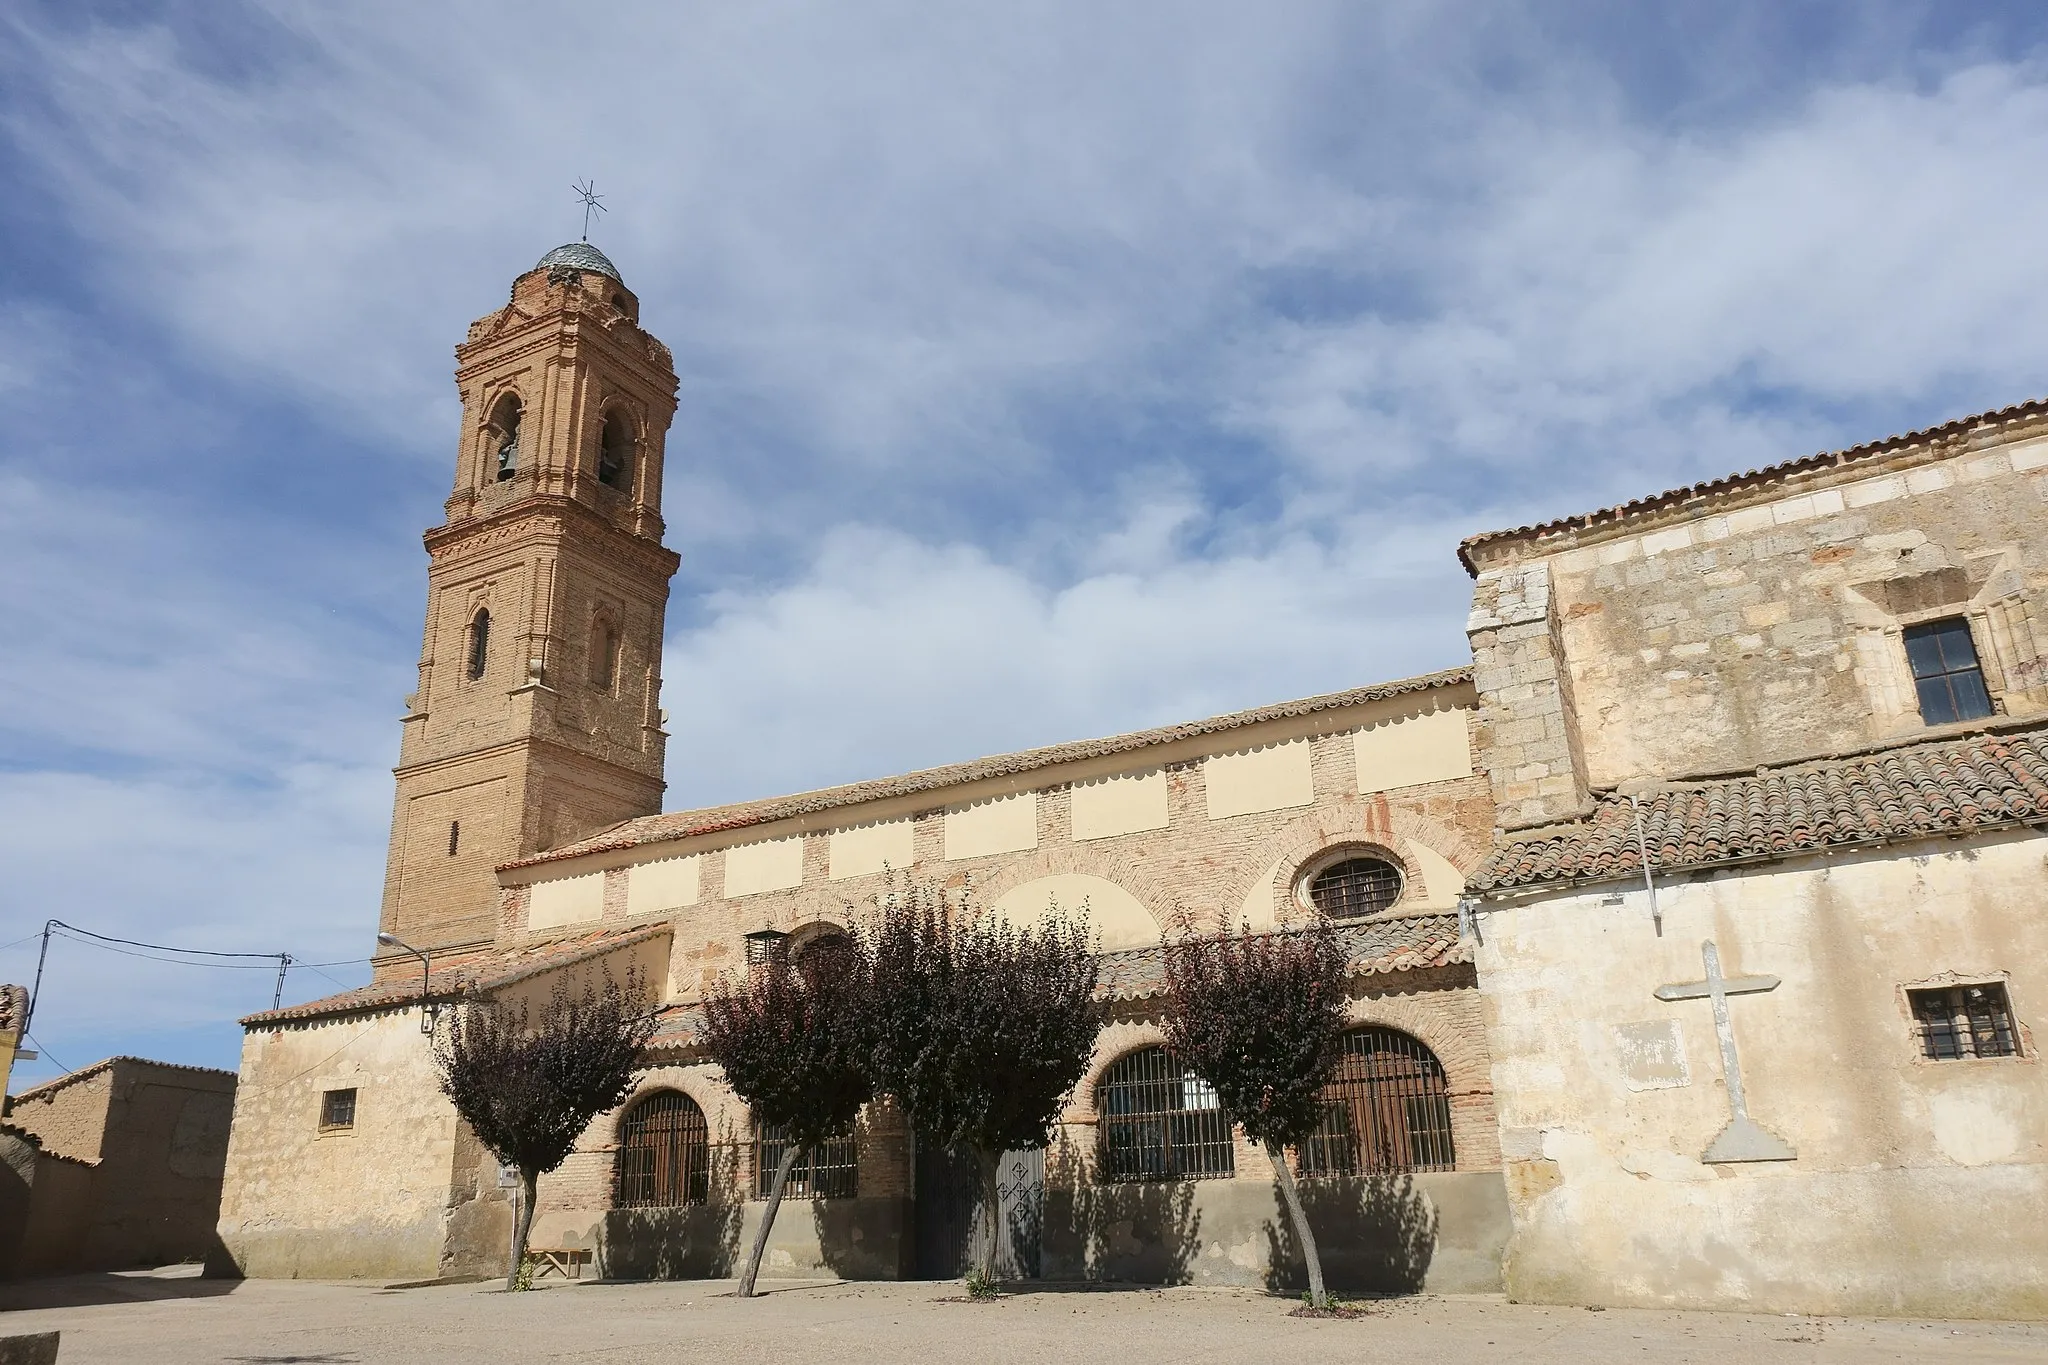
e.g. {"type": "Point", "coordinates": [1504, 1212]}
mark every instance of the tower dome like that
{"type": "Point", "coordinates": [579, 256]}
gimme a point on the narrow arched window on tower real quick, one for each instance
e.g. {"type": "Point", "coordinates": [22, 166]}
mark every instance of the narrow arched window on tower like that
{"type": "Point", "coordinates": [505, 437]}
{"type": "Point", "coordinates": [615, 452]}
{"type": "Point", "coordinates": [604, 655]}
{"type": "Point", "coordinates": [479, 642]}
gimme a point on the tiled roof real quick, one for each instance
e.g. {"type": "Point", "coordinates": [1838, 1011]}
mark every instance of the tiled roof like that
{"type": "Point", "coordinates": [55, 1084]}
{"type": "Point", "coordinates": [1945, 434]}
{"type": "Point", "coordinates": [1936, 787]}
{"type": "Point", "coordinates": [1397, 944]}
{"type": "Point", "coordinates": [13, 1007]}
{"type": "Point", "coordinates": [652, 829]}
{"type": "Point", "coordinates": [1400, 944]}
{"type": "Point", "coordinates": [469, 976]}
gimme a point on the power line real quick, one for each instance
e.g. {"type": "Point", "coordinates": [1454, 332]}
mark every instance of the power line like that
{"type": "Point", "coordinates": [281, 963]}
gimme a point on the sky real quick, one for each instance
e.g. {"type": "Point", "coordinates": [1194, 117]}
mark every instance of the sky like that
{"type": "Point", "coordinates": [1047, 370]}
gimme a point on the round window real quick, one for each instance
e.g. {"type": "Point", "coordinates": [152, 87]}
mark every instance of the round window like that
{"type": "Point", "coordinates": [1355, 887]}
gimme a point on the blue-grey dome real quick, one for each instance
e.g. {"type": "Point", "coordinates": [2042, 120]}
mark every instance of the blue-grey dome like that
{"type": "Point", "coordinates": [580, 256]}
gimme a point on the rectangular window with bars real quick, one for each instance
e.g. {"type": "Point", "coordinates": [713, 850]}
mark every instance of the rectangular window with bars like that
{"type": "Point", "coordinates": [337, 1110]}
{"type": "Point", "coordinates": [1956, 1022]}
{"type": "Point", "coordinates": [831, 1170]}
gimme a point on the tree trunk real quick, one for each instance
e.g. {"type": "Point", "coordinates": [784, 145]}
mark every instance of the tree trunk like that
{"type": "Point", "coordinates": [1318, 1296]}
{"type": "Point", "coordinates": [528, 1181]}
{"type": "Point", "coordinates": [790, 1154]}
{"type": "Point", "coordinates": [992, 1212]}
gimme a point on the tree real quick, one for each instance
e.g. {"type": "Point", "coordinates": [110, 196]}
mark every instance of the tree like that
{"type": "Point", "coordinates": [528, 1089]}
{"type": "Point", "coordinates": [1260, 1017]}
{"type": "Point", "coordinates": [789, 1036]}
{"type": "Point", "coordinates": [978, 1028]}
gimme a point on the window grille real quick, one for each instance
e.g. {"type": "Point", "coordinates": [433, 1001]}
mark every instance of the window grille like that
{"type": "Point", "coordinates": [1965, 1021]}
{"type": "Point", "coordinates": [1946, 672]}
{"type": "Point", "coordinates": [831, 1170]}
{"type": "Point", "coordinates": [1387, 1110]}
{"type": "Point", "coordinates": [1159, 1122]}
{"type": "Point", "coordinates": [1355, 887]}
{"type": "Point", "coordinates": [338, 1109]}
{"type": "Point", "coordinates": [664, 1158]}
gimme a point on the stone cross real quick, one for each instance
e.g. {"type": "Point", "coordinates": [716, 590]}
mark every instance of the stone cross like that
{"type": "Point", "coordinates": [1742, 1139]}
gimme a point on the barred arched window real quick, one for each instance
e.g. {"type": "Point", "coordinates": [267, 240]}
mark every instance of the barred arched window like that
{"type": "Point", "coordinates": [830, 1170]}
{"type": "Point", "coordinates": [1387, 1110]}
{"type": "Point", "coordinates": [479, 643]}
{"type": "Point", "coordinates": [664, 1157]}
{"type": "Point", "coordinates": [1160, 1122]}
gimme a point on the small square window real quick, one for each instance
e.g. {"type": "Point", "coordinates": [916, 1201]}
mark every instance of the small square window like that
{"type": "Point", "coordinates": [1964, 1021]}
{"type": "Point", "coordinates": [337, 1110]}
{"type": "Point", "coordinates": [1946, 672]}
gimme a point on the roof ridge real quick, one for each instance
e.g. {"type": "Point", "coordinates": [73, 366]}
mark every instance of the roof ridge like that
{"type": "Point", "coordinates": [649, 829]}
{"type": "Point", "coordinates": [103, 1064]}
{"type": "Point", "coordinates": [516, 963]}
{"type": "Point", "coordinates": [1623, 512]}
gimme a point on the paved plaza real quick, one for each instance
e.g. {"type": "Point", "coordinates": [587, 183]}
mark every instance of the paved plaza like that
{"type": "Point", "coordinates": [171, 1318]}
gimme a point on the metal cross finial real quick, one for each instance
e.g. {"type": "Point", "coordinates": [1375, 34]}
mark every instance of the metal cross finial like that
{"type": "Point", "coordinates": [587, 191]}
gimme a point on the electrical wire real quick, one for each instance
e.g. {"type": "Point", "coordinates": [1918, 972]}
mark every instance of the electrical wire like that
{"type": "Point", "coordinates": [44, 1053]}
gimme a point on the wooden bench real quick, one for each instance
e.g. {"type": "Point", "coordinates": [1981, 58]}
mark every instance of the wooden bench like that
{"type": "Point", "coordinates": [564, 1261]}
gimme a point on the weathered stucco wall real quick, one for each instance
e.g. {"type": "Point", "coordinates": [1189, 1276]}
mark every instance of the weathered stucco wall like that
{"type": "Point", "coordinates": [1920, 1187]}
{"type": "Point", "coordinates": [130, 1168]}
{"type": "Point", "coordinates": [369, 1201]}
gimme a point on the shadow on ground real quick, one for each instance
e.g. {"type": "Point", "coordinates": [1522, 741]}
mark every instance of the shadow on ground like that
{"type": "Point", "coordinates": [113, 1286]}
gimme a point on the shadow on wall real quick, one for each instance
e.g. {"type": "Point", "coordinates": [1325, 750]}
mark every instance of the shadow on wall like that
{"type": "Point", "coordinates": [1148, 1232]}
{"type": "Point", "coordinates": [696, 1242]}
{"type": "Point", "coordinates": [1376, 1235]}
{"type": "Point", "coordinates": [861, 1239]}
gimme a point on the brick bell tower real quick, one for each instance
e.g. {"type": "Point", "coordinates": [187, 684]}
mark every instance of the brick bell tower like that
{"type": "Point", "coordinates": [536, 719]}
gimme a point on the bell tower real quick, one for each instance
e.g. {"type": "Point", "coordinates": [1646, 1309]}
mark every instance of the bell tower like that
{"type": "Point", "coordinates": [536, 720]}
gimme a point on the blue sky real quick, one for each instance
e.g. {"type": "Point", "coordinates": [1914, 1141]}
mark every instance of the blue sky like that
{"type": "Point", "coordinates": [1047, 370]}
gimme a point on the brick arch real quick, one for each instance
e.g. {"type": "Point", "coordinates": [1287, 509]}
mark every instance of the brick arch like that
{"type": "Point", "coordinates": [1354, 820]}
{"type": "Point", "coordinates": [1071, 859]}
{"type": "Point", "coordinates": [1116, 1039]}
{"type": "Point", "coordinates": [1466, 1066]}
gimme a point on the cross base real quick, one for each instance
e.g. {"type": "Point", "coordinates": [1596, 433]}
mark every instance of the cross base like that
{"type": "Point", "coordinates": [1743, 1140]}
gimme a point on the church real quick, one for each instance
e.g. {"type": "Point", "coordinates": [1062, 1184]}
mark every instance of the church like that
{"type": "Point", "coordinates": [1697, 923]}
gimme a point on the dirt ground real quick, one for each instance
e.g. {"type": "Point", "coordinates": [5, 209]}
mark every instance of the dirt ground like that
{"type": "Point", "coordinates": [174, 1318]}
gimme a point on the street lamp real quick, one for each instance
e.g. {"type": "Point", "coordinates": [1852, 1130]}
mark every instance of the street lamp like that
{"type": "Point", "coordinates": [426, 972]}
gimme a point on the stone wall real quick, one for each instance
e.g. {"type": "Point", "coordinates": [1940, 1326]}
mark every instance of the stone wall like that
{"type": "Point", "coordinates": [1760, 626]}
{"type": "Point", "coordinates": [129, 1171]}
{"type": "Point", "coordinates": [1918, 1186]}
{"type": "Point", "coordinates": [367, 1201]}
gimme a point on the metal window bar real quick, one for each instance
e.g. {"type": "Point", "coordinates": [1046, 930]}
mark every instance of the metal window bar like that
{"type": "Point", "coordinates": [664, 1157]}
{"type": "Point", "coordinates": [338, 1109]}
{"type": "Point", "coordinates": [1946, 672]}
{"type": "Point", "coordinates": [1158, 1122]}
{"type": "Point", "coordinates": [1356, 887]}
{"type": "Point", "coordinates": [1386, 1112]}
{"type": "Point", "coordinates": [831, 1170]}
{"type": "Point", "coordinates": [1965, 1021]}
